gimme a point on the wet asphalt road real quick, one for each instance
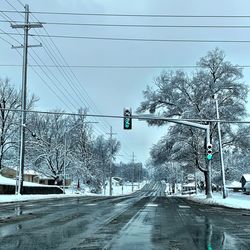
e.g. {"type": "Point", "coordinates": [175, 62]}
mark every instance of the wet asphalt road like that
{"type": "Point", "coordinates": [145, 220]}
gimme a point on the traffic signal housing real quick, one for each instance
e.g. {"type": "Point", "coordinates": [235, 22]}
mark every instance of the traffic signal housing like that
{"type": "Point", "coordinates": [127, 120]}
{"type": "Point", "coordinates": [209, 152]}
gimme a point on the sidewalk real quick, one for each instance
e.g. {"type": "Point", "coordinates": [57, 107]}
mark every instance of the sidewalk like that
{"type": "Point", "coordinates": [234, 200]}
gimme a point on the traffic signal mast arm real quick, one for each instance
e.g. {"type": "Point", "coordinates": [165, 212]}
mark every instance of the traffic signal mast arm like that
{"type": "Point", "coordinates": [191, 124]}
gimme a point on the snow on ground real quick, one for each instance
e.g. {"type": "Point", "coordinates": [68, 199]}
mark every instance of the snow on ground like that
{"type": "Point", "coordinates": [71, 192]}
{"type": "Point", "coordinates": [234, 200]}
{"type": "Point", "coordinates": [123, 190]}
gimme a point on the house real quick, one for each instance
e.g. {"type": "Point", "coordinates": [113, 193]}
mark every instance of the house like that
{"type": "Point", "coordinates": [245, 183]}
{"type": "Point", "coordinates": [117, 181]}
{"type": "Point", "coordinates": [32, 176]}
{"type": "Point", "coordinates": [189, 178]}
{"type": "Point", "coordinates": [235, 186]}
{"type": "Point", "coordinates": [29, 175]}
{"type": "Point", "coordinates": [51, 181]}
{"type": "Point", "coordinates": [188, 188]}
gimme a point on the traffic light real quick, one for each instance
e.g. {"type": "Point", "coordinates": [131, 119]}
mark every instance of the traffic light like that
{"type": "Point", "coordinates": [127, 122]}
{"type": "Point", "coordinates": [209, 152]}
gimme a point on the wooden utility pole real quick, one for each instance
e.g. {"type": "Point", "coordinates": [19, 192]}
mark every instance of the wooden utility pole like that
{"type": "Point", "coordinates": [26, 26]}
{"type": "Point", "coordinates": [111, 160]}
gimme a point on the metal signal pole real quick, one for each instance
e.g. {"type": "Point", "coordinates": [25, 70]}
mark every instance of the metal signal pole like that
{"type": "Point", "coordinates": [221, 150]}
{"type": "Point", "coordinates": [26, 26]}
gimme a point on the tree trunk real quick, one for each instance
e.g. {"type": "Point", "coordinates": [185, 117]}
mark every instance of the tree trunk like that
{"type": "Point", "coordinates": [206, 182]}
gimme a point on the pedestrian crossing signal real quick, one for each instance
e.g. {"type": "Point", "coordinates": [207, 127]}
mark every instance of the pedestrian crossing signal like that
{"type": "Point", "coordinates": [127, 120]}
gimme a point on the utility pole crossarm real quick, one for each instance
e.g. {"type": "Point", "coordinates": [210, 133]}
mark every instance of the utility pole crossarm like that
{"type": "Point", "coordinates": [29, 25]}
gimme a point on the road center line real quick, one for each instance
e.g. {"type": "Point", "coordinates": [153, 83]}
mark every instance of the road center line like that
{"type": "Point", "coordinates": [152, 205]}
{"type": "Point", "coordinates": [181, 206]}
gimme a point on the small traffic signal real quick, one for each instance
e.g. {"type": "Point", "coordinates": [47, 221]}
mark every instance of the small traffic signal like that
{"type": "Point", "coordinates": [209, 152]}
{"type": "Point", "coordinates": [127, 122]}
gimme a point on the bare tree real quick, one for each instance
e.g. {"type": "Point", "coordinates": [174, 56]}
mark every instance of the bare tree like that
{"type": "Point", "coordinates": [10, 101]}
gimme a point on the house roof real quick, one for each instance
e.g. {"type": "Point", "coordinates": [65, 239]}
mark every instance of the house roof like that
{"type": "Point", "coordinates": [246, 177]}
{"type": "Point", "coordinates": [234, 184]}
{"type": "Point", "coordinates": [192, 184]}
{"type": "Point", "coordinates": [31, 172]}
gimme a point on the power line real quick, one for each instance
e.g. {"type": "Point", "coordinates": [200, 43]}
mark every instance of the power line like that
{"type": "Point", "coordinates": [138, 117]}
{"type": "Point", "coordinates": [10, 20]}
{"type": "Point", "coordinates": [129, 15]}
{"type": "Point", "coordinates": [145, 39]}
{"type": "Point", "coordinates": [141, 25]}
{"type": "Point", "coordinates": [115, 66]}
{"type": "Point", "coordinates": [108, 66]}
{"type": "Point", "coordinates": [48, 54]}
{"type": "Point", "coordinates": [133, 39]}
{"type": "Point", "coordinates": [146, 25]}
{"type": "Point", "coordinates": [72, 73]}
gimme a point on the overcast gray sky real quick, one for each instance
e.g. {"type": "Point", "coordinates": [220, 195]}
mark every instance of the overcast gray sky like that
{"type": "Point", "coordinates": [109, 89]}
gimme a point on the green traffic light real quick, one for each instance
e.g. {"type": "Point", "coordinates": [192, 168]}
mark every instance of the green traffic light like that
{"type": "Point", "coordinates": [209, 157]}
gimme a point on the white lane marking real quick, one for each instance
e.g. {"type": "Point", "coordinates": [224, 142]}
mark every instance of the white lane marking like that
{"type": "Point", "coordinates": [180, 206]}
{"type": "Point", "coordinates": [152, 205]}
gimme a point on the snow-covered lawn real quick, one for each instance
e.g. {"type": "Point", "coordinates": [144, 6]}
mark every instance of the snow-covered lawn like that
{"type": "Point", "coordinates": [123, 190]}
{"type": "Point", "coordinates": [234, 200]}
{"type": "Point", "coordinates": [117, 190]}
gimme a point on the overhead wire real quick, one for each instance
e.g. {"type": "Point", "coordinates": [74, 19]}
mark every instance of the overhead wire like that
{"type": "Point", "coordinates": [145, 39]}
{"type": "Point", "coordinates": [73, 74]}
{"type": "Point", "coordinates": [133, 39]}
{"type": "Point", "coordinates": [129, 15]}
{"type": "Point", "coordinates": [117, 66]}
{"type": "Point", "coordinates": [36, 71]}
{"type": "Point", "coordinates": [54, 75]}
{"type": "Point", "coordinates": [79, 85]}
{"type": "Point", "coordinates": [148, 25]}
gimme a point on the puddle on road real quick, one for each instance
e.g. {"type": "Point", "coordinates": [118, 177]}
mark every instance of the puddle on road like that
{"type": "Point", "coordinates": [216, 239]}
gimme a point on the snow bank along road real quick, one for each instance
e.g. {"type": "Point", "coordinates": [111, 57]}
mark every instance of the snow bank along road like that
{"type": "Point", "coordinates": [144, 220]}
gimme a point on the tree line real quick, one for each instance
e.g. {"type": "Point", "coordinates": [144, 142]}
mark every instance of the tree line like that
{"type": "Point", "coordinates": [54, 141]}
{"type": "Point", "coordinates": [177, 94]}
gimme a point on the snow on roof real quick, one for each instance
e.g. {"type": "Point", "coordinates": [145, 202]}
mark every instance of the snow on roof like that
{"type": "Point", "coordinates": [234, 184]}
{"type": "Point", "coordinates": [247, 185]}
{"type": "Point", "coordinates": [26, 171]}
{"type": "Point", "coordinates": [192, 184]}
{"type": "Point", "coordinates": [31, 172]}
{"type": "Point", "coordinates": [246, 176]}
{"type": "Point", "coordinates": [12, 182]}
